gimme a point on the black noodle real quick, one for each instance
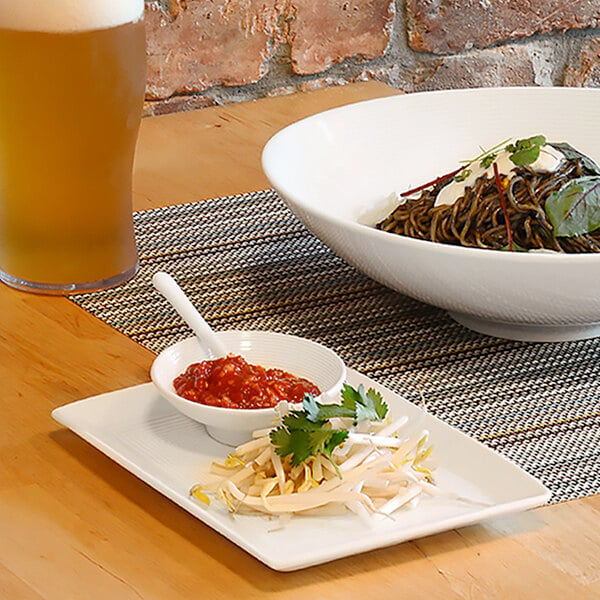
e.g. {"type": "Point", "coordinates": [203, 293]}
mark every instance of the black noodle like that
{"type": "Point", "coordinates": [477, 218]}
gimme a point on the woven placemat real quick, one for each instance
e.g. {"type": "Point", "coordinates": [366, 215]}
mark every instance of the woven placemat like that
{"type": "Point", "coordinates": [248, 263]}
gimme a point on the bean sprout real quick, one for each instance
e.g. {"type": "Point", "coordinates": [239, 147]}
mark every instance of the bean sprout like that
{"type": "Point", "coordinates": [375, 471]}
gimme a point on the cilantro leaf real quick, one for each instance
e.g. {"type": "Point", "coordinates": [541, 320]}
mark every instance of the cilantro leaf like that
{"type": "Point", "coordinates": [319, 412]}
{"type": "Point", "coordinates": [350, 396]}
{"type": "Point", "coordinates": [326, 440]}
{"type": "Point", "coordinates": [301, 444]}
{"type": "Point", "coordinates": [372, 407]}
{"type": "Point", "coordinates": [366, 405]}
{"type": "Point", "coordinates": [311, 407]}
{"type": "Point", "coordinates": [329, 411]}
{"type": "Point", "coordinates": [307, 432]}
{"type": "Point", "coordinates": [337, 438]}
{"type": "Point", "coordinates": [287, 444]}
{"type": "Point", "coordinates": [298, 420]}
{"type": "Point", "coordinates": [380, 406]}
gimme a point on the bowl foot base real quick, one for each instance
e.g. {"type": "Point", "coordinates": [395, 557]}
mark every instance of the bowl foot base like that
{"type": "Point", "coordinates": [228, 437]}
{"type": "Point", "coordinates": [528, 333]}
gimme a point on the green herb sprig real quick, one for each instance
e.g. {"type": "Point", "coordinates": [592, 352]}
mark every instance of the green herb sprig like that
{"type": "Point", "coordinates": [485, 160]}
{"type": "Point", "coordinates": [521, 153]}
{"type": "Point", "coordinates": [308, 432]}
{"type": "Point", "coordinates": [527, 151]}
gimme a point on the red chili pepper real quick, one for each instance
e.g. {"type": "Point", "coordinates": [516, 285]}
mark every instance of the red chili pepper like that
{"type": "Point", "coordinates": [434, 182]}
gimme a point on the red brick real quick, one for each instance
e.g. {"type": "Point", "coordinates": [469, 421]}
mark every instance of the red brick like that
{"type": "Point", "coordinates": [494, 67]}
{"type": "Point", "coordinates": [201, 43]}
{"type": "Point", "coordinates": [586, 71]}
{"type": "Point", "coordinates": [444, 27]}
{"type": "Point", "coordinates": [323, 33]}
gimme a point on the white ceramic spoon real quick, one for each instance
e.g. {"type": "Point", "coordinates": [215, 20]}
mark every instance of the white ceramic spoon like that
{"type": "Point", "coordinates": [169, 288]}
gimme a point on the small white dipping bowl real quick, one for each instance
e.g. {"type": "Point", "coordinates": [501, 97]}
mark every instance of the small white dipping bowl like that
{"type": "Point", "coordinates": [336, 171]}
{"type": "Point", "coordinates": [232, 426]}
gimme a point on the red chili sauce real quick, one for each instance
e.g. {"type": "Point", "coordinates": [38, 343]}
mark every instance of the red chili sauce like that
{"type": "Point", "coordinates": [231, 382]}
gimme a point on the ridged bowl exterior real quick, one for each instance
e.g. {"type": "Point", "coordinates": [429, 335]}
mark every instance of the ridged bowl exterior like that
{"type": "Point", "coordinates": [336, 171]}
{"type": "Point", "coordinates": [299, 356]}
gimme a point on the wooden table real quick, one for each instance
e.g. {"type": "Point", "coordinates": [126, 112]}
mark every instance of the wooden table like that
{"type": "Point", "coordinates": [74, 525]}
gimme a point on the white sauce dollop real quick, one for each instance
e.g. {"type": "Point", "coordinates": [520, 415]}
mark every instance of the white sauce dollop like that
{"type": "Point", "coordinates": [547, 162]}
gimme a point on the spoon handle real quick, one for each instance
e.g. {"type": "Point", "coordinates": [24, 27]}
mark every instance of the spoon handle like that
{"type": "Point", "coordinates": [169, 288]}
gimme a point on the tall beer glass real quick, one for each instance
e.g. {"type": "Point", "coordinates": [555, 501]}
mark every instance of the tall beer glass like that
{"type": "Point", "coordinates": [72, 77]}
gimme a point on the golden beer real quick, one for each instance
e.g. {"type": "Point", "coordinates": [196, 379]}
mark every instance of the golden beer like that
{"type": "Point", "coordinates": [70, 107]}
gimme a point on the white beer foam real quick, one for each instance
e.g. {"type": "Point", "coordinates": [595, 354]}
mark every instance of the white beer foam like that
{"type": "Point", "coordinates": [62, 16]}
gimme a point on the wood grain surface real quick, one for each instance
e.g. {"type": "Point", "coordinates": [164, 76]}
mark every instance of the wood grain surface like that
{"type": "Point", "coordinates": [74, 525]}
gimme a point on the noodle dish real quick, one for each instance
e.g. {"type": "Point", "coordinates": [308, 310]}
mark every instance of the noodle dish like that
{"type": "Point", "coordinates": [482, 202]}
{"type": "Point", "coordinates": [523, 194]}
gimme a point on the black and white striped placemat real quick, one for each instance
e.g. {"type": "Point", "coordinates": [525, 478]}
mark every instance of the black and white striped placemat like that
{"type": "Point", "coordinates": [248, 263]}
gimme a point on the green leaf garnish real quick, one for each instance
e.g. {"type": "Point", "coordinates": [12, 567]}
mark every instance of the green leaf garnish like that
{"type": "Point", "coordinates": [515, 248]}
{"type": "Point", "coordinates": [487, 160]}
{"type": "Point", "coordinates": [525, 152]}
{"type": "Point", "coordinates": [298, 445]}
{"type": "Point", "coordinates": [337, 438]}
{"type": "Point", "coordinates": [350, 396]}
{"type": "Point", "coordinates": [489, 156]}
{"type": "Point", "coordinates": [371, 406]}
{"type": "Point", "coordinates": [300, 420]}
{"type": "Point", "coordinates": [463, 175]}
{"type": "Point", "coordinates": [316, 411]}
{"type": "Point", "coordinates": [575, 208]}
{"type": "Point", "coordinates": [308, 432]}
{"type": "Point", "coordinates": [365, 405]}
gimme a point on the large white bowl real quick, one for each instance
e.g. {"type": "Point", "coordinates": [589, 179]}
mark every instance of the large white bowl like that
{"type": "Point", "coordinates": [336, 171]}
{"type": "Point", "coordinates": [296, 355]}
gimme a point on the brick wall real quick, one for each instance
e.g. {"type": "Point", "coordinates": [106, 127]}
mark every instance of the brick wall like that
{"type": "Point", "coordinates": [205, 52]}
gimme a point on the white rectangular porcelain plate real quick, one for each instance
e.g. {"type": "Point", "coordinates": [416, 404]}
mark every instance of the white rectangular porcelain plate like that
{"type": "Point", "coordinates": [140, 431]}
